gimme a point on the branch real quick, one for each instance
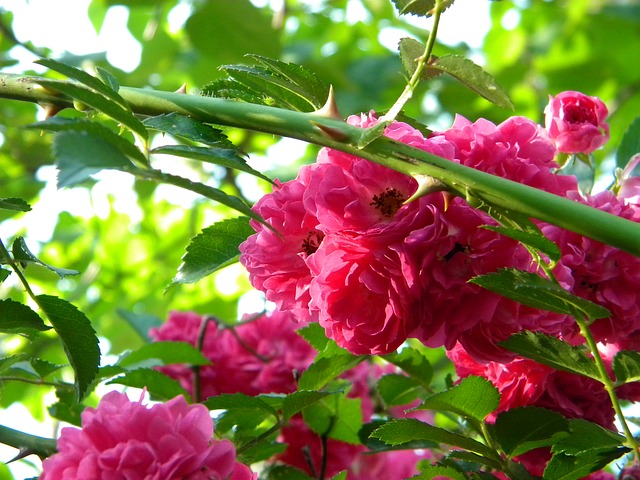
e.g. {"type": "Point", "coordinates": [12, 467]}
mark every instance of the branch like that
{"type": "Point", "coordinates": [317, 129]}
{"type": "Point", "coordinates": [26, 443]}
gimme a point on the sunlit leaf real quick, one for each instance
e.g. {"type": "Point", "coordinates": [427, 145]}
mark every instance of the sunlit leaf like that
{"type": "Point", "coordinates": [104, 88]}
{"type": "Point", "coordinates": [438, 471]}
{"type": "Point", "coordinates": [414, 363]}
{"type": "Point", "coordinates": [415, 7]}
{"type": "Point", "coordinates": [60, 124]}
{"type": "Point", "coordinates": [551, 351]}
{"type": "Point", "coordinates": [533, 238]}
{"type": "Point", "coordinates": [325, 369]}
{"type": "Point", "coordinates": [212, 249]}
{"type": "Point", "coordinates": [629, 145]}
{"type": "Point", "coordinates": [336, 416]}
{"type": "Point", "coordinates": [80, 154]}
{"type": "Point", "coordinates": [233, 401]}
{"type": "Point", "coordinates": [575, 467]}
{"type": "Point", "coordinates": [522, 429]}
{"type": "Point", "coordinates": [474, 398]}
{"type": "Point", "coordinates": [410, 50]}
{"type": "Point", "coordinates": [586, 436]}
{"type": "Point", "coordinates": [97, 101]}
{"type": "Point", "coordinates": [78, 339]}
{"type": "Point", "coordinates": [534, 291]}
{"type": "Point", "coordinates": [626, 365]}
{"type": "Point", "coordinates": [399, 389]}
{"type": "Point", "coordinates": [398, 432]}
{"type": "Point", "coordinates": [296, 402]}
{"type": "Point", "coordinates": [189, 128]}
{"type": "Point", "coordinates": [474, 77]}
{"type": "Point", "coordinates": [14, 317]}
{"type": "Point", "coordinates": [22, 254]}
{"type": "Point", "coordinates": [156, 383]}
{"type": "Point", "coordinates": [225, 157]}
{"type": "Point", "coordinates": [16, 204]}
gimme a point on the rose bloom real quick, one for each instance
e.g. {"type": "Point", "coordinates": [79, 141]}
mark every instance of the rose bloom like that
{"type": "Point", "coordinates": [261, 357]}
{"type": "Point", "coordinates": [601, 273]}
{"type": "Point", "coordinates": [576, 122]}
{"type": "Point", "coordinates": [125, 440]}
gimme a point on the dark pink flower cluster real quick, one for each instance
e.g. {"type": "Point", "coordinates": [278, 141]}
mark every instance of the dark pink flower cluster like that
{"type": "Point", "coordinates": [266, 355]}
{"type": "Point", "coordinates": [122, 439]}
{"type": "Point", "coordinates": [374, 271]}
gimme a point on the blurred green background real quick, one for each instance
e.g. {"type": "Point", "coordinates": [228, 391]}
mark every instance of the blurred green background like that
{"type": "Point", "coordinates": [127, 237]}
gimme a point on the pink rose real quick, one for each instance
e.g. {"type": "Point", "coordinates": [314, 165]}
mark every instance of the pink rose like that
{"type": "Point", "coordinates": [123, 439]}
{"type": "Point", "coordinates": [601, 273]}
{"type": "Point", "coordinates": [629, 186]}
{"type": "Point", "coordinates": [576, 122]}
{"type": "Point", "coordinates": [276, 261]}
{"type": "Point", "coordinates": [261, 357]}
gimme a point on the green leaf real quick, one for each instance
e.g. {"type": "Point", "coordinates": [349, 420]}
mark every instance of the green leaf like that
{"type": "Point", "coordinates": [212, 249]}
{"type": "Point", "coordinates": [302, 82]}
{"type": "Point", "coordinates": [325, 369]}
{"type": "Point", "coordinates": [533, 238]}
{"type": "Point", "coordinates": [101, 87]}
{"type": "Point", "coordinates": [189, 128]}
{"type": "Point", "coordinates": [162, 353]}
{"type": "Point", "coordinates": [629, 145]}
{"type": "Point", "coordinates": [575, 467]}
{"type": "Point", "coordinates": [67, 408]}
{"type": "Point", "coordinates": [438, 471]}
{"type": "Point", "coordinates": [473, 398]}
{"type": "Point", "coordinates": [415, 7]}
{"type": "Point", "coordinates": [296, 402]}
{"type": "Point", "coordinates": [80, 154]}
{"type": "Point", "coordinates": [315, 336]}
{"type": "Point", "coordinates": [78, 339]}
{"type": "Point", "coordinates": [534, 291]}
{"type": "Point", "coordinates": [626, 366]}
{"type": "Point", "coordinates": [225, 157]}
{"type": "Point", "coordinates": [474, 77]}
{"type": "Point", "coordinates": [108, 79]}
{"type": "Point", "coordinates": [215, 194]}
{"type": "Point", "coordinates": [273, 83]}
{"type": "Point", "coordinates": [285, 472]}
{"type": "Point", "coordinates": [586, 436]}
{"type": "Point", "coordinates": [15, 317]}
{"type": "Point", "coordinates": [22, 254]}
{"type": "Point", "coordinates": [553, 352]}
{"type": "Point", "coordinates": [13, 203]}
{"type": "Point", "coordinates": [523, 429]}
{"type": "Point", "coordinates": [239, 401]}
{"type": "Point", "coordinates": [410, 51]}
{"type": "Point", "coordinates": [4, 274]}
{"type": "Point", "coordinates": [399, 389]}
{"type": "Point", "coordinates": [336, 416]}
{"type": "Point", "coordinates": [340, 476]}
{"type": "Point", "coordinates": [398, 432]}
{"type": "Point", "coordinates": [156, 383]}
{"type": "Point", "coordinates": [60, 124]}
{"type": "Point", "coordinates": [99, 102]}
{"type": "Point", "coordinates": [413, 362]}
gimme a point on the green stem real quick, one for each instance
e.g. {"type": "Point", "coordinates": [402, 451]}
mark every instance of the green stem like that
{"type": "Point", "coordinates": [333, 133]}
{"type": "Point", "coordinates": [26, 443]}
{"type": "Point", "coordinates": [608, 385]}
{"type": "Point", "coordinates": [423, 60]}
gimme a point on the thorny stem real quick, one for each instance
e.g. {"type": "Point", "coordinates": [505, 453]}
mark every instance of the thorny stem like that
{"type": "Point", "coordinates": [609, 386]}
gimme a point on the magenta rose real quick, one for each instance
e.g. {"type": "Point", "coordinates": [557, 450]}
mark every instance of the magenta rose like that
{"type": "Point", "coordinates": [122, 439]}
{"type": "Point", "coordinates": [576, 122]}
{"type": "Point", "coordinates": [261, 356]}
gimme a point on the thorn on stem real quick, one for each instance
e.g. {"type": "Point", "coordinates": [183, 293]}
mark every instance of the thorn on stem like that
{"type": "Point", "coordinates": [330, 108]}
{"type": "Point", "coordinates": [182, 89]}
